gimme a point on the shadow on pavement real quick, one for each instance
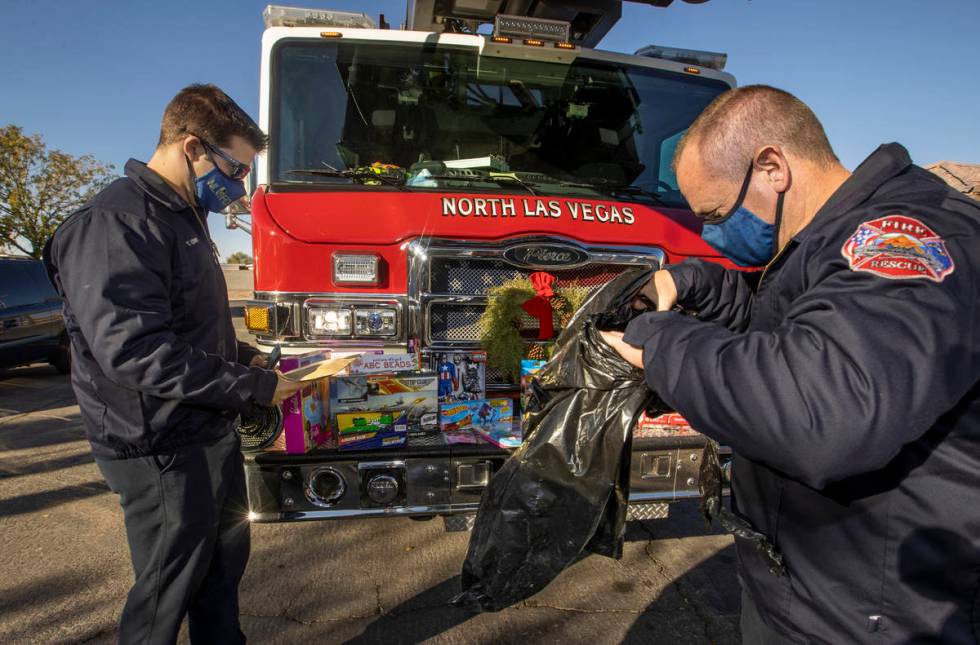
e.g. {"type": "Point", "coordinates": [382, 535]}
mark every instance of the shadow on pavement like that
{"type": "Point", "coordinates": [706, 591]}
{"type": "Point", "coordinates": [39, 501]}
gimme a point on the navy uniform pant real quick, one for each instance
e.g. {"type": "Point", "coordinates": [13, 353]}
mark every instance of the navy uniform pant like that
{"type": "Point", "coordinates": [187, 526]}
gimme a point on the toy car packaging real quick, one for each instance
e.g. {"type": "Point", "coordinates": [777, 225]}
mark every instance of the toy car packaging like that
{"type": "Point", "coordinates": [385, 363]}
{"type": "Point", "coordinates": [529, 368]}
{"type": "Point", "coordinates": [475, 414]}
{"type": "Point", "coordinates": [409, 396]}
{"type": "Point", "coordinates": [370, 431]}
{"type": "Point", "coordinates": [664, 425]}
{"type": "Point", "coordinates": [304, 418]}
{"type": "Point", "coordinates": [462, 375]}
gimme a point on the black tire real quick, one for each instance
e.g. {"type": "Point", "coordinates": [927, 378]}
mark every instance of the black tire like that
{"type": "Point", "coordinates": [61, 359]}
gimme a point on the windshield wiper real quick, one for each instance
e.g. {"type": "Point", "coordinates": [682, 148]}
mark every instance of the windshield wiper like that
{"type": "Point", "coordinates": [500, 181]}
{"type": "Point", "coordinates": [612, 189]}
{"type": "Point", "coordinates": [350, 174]}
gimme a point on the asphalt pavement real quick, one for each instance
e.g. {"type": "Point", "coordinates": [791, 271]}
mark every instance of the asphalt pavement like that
{"type": "Point", "coordinates": [64, 565]}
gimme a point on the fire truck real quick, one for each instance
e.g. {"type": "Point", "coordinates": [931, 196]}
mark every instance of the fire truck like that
{"type": "Point", "coordinates": [411, 170]}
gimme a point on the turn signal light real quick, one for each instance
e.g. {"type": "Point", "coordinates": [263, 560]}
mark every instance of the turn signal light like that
{"type": "Point", "coordinates": [258, 318]}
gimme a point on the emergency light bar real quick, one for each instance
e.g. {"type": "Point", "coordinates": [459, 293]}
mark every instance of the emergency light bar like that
{"type": "Point", "coordinates": [279, 16]}
{"type": "Point", "coordinates": [520, 28]}
{"type": "Point", "coordinates": [711, 60]}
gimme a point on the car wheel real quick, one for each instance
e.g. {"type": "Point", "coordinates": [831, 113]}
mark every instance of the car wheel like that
{"type": "Point", "coordinates": [61, 360]}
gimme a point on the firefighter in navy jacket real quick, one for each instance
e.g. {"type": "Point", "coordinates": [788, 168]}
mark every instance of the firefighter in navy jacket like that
{"type": "Point", "coordinates": [157, 371]}
{"type": "Point", "coordinates": [845, 377]}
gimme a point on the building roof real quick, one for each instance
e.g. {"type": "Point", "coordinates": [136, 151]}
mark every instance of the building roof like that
{"type": "Point", "coordinates": [964, 177]}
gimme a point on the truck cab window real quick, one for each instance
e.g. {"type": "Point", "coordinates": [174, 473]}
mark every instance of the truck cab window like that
{"type": "Point", "coordinates": [563, 128]}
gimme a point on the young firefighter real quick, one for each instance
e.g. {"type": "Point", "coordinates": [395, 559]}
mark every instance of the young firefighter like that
{"type": "Point", "coordinates": [847, 382]}
{"type": "Point", "coordinates": [157, 371]}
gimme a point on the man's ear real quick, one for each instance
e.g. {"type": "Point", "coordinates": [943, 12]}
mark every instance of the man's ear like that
{"type": "Point", "coordinates": [771, 160]}
{"type": "Point", "coordinates": [192, 148]}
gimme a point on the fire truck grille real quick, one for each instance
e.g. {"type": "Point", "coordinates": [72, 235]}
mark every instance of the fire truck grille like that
{"type": "Point", "coordinates": [452, 322]}
{"type": "Point", "coordinates": [476, 277]}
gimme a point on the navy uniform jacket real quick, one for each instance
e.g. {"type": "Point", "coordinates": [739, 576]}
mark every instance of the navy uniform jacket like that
{"type": "Point", "coordinates": [155, 362]}
{"type": "Point", "coordinates": [848, 386]}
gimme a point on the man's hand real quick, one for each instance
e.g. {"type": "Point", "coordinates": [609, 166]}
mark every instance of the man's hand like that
{"type": "Point", "coordinates": [284, 389]}
{"type": "Point", "coordinates": [259, 361]}
{"type": "Point", "coordinates": [661, 291]}
{"type": "Point", "coordinates": [632, 355]}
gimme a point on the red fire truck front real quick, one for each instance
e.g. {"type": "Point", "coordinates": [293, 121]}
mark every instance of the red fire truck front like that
{"type": "Point", "coordinates": [413, 170]}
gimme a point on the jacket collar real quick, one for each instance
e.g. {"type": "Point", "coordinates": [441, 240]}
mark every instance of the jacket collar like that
{"type": "Point", "coordinates": [888, 161]}
{"type": "Point", "coordinates": [154, 185]}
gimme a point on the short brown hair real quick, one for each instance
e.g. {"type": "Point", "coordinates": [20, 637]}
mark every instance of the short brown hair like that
{"type": "Point", "coordinates": [207, 112]}
{"type": "Point", "coordinates": [740, 121]}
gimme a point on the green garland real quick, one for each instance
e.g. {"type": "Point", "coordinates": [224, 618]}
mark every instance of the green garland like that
{"type": "Point", "coordinates": [500, 324]}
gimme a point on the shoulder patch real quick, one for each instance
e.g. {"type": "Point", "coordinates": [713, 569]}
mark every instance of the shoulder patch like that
{"type": "Point", "coordinates": [898, 247]}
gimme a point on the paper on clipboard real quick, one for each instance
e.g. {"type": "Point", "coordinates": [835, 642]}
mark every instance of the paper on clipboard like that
{"type": "Point", "coordinates": [317, 371]}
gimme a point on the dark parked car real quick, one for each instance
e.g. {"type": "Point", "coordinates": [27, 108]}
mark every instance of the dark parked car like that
{"type": "Point", "coordinates": [31, 326]}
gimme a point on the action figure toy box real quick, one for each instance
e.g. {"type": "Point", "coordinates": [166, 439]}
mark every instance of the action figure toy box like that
{"type": "Point", "coordinates": [304, 414]}
{"type": "Point", "coordinates": [462, 375]}
{"type": "Point", "coordinates": [409, 396]}
{"type": "Point", "coordinates": [475, 414]}
{"type": "Point", "coordinates": [370, 431]}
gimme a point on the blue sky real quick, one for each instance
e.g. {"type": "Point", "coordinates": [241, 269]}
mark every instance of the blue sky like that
{"type": "Point", "coordinates": [93, 76]}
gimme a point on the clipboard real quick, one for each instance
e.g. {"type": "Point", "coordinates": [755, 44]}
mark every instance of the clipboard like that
{"type": "Point", "coordinates": [323, 369]}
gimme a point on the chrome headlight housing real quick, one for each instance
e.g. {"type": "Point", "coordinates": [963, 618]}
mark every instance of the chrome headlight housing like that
{"type": "Point", "coordinates": [334, 319]}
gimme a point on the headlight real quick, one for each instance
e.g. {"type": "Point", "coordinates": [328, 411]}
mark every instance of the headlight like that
{"type": "Point", "coordinates": [350, 321]}
{"type": "Point", "coordinates": [329, 321]}
{"type": "Point", "coordinates": [375, 322]}
{"type": "Point", "coordinates": [355, 268]}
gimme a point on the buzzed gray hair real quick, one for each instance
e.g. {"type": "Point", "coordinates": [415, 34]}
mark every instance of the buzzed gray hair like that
{"type": "Point", "coordinates": [742, 120]}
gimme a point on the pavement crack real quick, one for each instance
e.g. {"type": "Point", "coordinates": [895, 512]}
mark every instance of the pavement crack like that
{"type": "Point", "coordinates": [577, 610]}
{"type": "Point", "coordinates": [674, 582]}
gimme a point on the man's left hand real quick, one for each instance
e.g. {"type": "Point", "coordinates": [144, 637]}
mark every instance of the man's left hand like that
{"type": "Point", "coordinates": [632, 355]}
{"type": "Point", "coordinates": [259, 361]}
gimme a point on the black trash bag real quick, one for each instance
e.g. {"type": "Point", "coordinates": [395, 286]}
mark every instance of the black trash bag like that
{"type": "Point", "coordinates": [563, 493]}
{"type": "Point", "coordinates": [712, 508]}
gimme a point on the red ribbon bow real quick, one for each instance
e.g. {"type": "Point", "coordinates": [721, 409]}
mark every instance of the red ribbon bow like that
{"type": "Point", "coordinates": [539, 307]}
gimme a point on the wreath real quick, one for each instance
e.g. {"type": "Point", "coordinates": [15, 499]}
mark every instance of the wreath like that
{"type": "Point", "coordinates": [507, 330]}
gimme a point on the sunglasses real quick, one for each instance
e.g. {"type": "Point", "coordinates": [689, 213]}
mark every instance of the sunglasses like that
{"type": "Point", "coordinates": [239, 170]}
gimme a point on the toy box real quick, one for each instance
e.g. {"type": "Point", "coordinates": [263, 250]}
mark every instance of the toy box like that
{"type": "Point", "coordinates": [475, 414]}
{"type": "Point", "coordinates": [369, 431]}
{"type": "Point", "coordinates": [462, 375]}
{"type": "Point", "coordinates": [304, 414]}
{"type": "Point", "coordinates": [385, 363]}
{"type": "Point", "coordinates": [372, 440]}
{"type": "Point", "coordinates": [529, 368]}
{"type": "Point", "coordinates": [410, 396]}
{"type": "Point", "coordinates": [664, 425]}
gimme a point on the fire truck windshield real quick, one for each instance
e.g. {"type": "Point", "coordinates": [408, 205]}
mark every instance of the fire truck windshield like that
{"type": "Point", "coordinates": [419, 117]}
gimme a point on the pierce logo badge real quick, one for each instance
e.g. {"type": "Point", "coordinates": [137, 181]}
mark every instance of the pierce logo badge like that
{"type": "Point", "coordinates": [546, 256]}
{"type": "Point", "coordinates": [898, 247]}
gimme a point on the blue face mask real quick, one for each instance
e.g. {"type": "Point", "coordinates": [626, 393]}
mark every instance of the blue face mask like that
{"type": "Point", "coordinates": [214, 190]}
{"type": "Point", "coordinates": [741, 236]}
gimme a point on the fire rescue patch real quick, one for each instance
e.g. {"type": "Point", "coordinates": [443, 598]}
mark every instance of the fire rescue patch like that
{"type": "Point", "coordinates": [896, 247]}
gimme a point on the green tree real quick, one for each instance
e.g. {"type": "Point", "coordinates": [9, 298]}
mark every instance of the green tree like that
{"type": "Point", "coordinates": [39, 188]}
{"type": "Point", "coordinates": [239, 257]}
